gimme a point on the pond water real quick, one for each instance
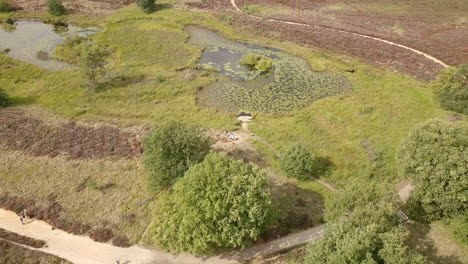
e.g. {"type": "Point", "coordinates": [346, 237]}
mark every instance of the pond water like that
{"type": "Point", "coordinates": [224, 55]}
{"type": "Point", "coordinates": [33, 41]}
{"type": "Point", "coordinates": [292, 84]}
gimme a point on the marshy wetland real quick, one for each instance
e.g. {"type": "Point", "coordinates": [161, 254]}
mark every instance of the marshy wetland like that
{"type": "Point", "coordinates": [291, 84]}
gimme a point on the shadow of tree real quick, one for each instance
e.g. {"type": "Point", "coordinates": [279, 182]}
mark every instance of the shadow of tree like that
{"type": "Point", "coordinates": [419, 240]}
{"type": "Point", "coordinates": [293, 208]}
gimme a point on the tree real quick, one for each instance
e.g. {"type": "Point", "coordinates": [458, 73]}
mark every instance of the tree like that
{"type": "Point", "coordinates": [55, 7]}
{"type": "Point", "coordinates": [93, 60]}
{"type": "Point", "coordinates": [451, 89]}
{"type": "Point", "coordinates": [5, 6]}
{"type": "Point", "coordinates": [220, 203]}
{"type": "Point", "coordinates": [434, 157]}
{"type": "Point", "coordinates": [299, 163]}
{"type": "Point", "coordinates": [4, 99]}
{"type": "Point", "coordinates": [147, 6]}
{"type": "Point", "coordinates": [365, 231]}
{"type": "Point", "coordinates": [170, 150]}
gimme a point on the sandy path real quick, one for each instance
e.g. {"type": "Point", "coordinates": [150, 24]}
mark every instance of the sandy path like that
{"type": "Point", "coordinates": [432, 58]}
{"type": "Point", "coordinates": [83, 250]}
{"type": "Point", "coordinates": [281, 244]}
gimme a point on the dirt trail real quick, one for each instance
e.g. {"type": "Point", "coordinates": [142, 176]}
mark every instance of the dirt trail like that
{"type": "Point", "coordinates": [233, 3]}
{"type": "Point", "coordinates": [83, 250]}
{"type": "Point", "coordinates": [281, 244]}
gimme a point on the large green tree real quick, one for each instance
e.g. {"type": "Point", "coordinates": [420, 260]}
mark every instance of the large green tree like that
{"type": "Point", "coordinates": [170, 150]}
{"type": "Point", "coordinates": [362, 227]}
{"type": "Point", "coordinates": [434, 156]}
{"type": "Point", "coordinates": [451, 89]}
{"type": "Point", "coordinates": [220, 203]}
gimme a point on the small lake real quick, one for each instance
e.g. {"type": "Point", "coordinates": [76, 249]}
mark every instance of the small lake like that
{"type": "Point", "coordinates": [33, 41]}
{"type": "Point", "coordinates": [224, 55]}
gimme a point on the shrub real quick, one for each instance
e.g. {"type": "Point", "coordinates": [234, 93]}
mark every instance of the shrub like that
{"type": "Point", "coordinates": [261, 63]}
{"type": "Point", "coordinates": [220, 203]}
{"type": "Point", "coordinates": [170, 150]}
{"type": "Point", "coordinates": [101, 234]}
{"type": "Point", "coordinates": [5, 6]}
{"type": "Point", "coordinates": [299, 163]}
{"type": "Point", "coordinates": [365, 231]}
{"type": "Point", "coordinates": [434, 157]}
{"type": "Point", "coordinates": [451, 89]}
{"type": "Point", "coordinates": [55, 7]}
{"type": "Point", "coordinates": [264, 64]}
{"type": "Point", "coordinates": [250, 59]}
{"type": "Point", "coordinates": [147, 6]}
{"type": "Point", "coordinates": [4, 99]}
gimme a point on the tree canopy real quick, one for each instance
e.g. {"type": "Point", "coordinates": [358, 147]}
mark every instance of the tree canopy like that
{"type": "Point", "coordinates": [451, 89]}
{"type": "Point", "coordinates": [434, 156]}
{"type": "Point", "coordinates": [362, 227]}
{"type": "Point", "coordinates": [299, 163]}
{"type": "Point", "coordinates": [219, 203]}
{"type": "Point", "coordinates": [170, 150]}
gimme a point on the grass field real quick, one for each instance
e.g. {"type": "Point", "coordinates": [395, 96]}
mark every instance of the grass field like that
{"type": "Point", "coordinates": [357, 133]}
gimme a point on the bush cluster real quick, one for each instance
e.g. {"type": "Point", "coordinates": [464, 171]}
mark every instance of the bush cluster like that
{"type": "Point", "coordinates": [170, 150]}
{"type": "Point", "coordinates": [434, 156]}
{"type": "Point", "coordinates": [299, 163]}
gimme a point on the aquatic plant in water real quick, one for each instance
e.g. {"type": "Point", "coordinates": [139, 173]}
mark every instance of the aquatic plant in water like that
{"type": "Point", "coordinates": [290, 85]}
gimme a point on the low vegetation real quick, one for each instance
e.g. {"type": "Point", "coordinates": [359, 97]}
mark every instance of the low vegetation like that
{"type": "Point", "coordinates": [364, 229]}
{"type": "Point", "coordinates": [4, 99]}
{"type": "Point", "coordinates": [5, 6]}
{"type": "Point", "coordinates": [299, 163]}
{"type": "Point", "coordinates": [55, 7]}
{"type": "Point", "coordinates": [170, 150]}
{"type": "Point", "coordinates": [70, 51]}
{"type": "Point", "coordinates": [220, 203]}
{"type": "Point", "coordinates": [14, 254]}
{"type": "Point", "coordinates": [451, 89]}
{"type": "Point", "coordinates": [434, 157]}
{"type": "Point", "coordinates": [261, 63]}
{"type": "Point", "coordinates": [19, 239]}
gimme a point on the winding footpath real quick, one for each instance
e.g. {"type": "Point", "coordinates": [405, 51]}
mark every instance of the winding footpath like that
{"type": "Point", "coordinates": [83, 250]}
{"type": "Point", "coordinates": [432, 58]}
